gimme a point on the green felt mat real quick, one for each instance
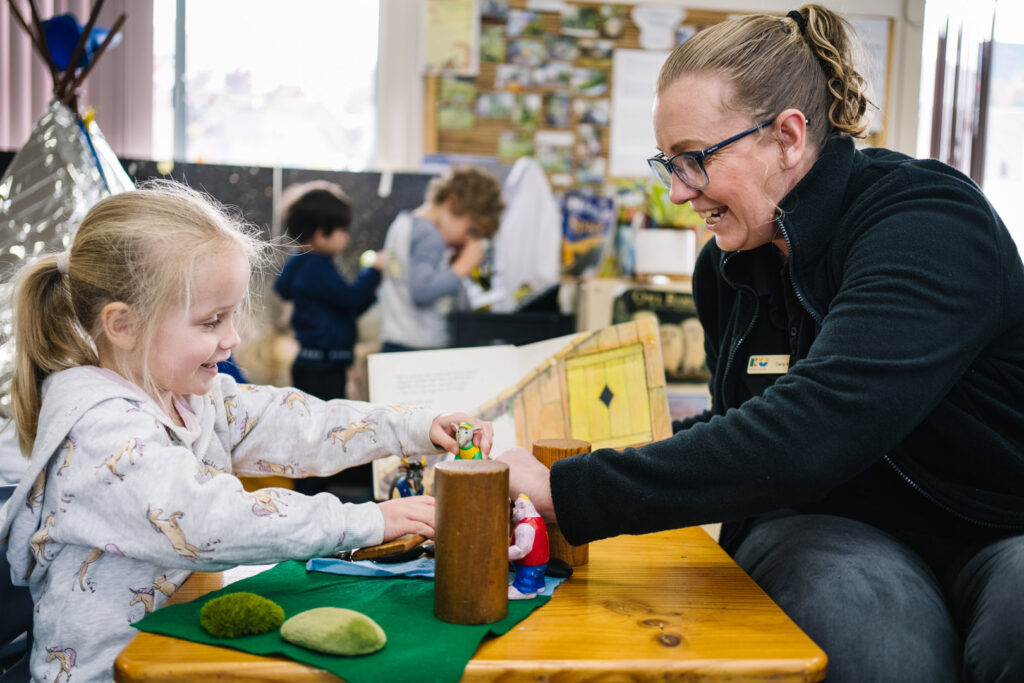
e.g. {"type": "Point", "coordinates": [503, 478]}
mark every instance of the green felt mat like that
{"type": "Point", "coordinates": [420, 647]}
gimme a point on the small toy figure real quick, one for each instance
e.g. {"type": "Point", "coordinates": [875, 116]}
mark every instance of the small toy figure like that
{"type": "Point", "coordinates": [529, 550]}
{"type": "Point", "coordinates": [467, 449]}
{"type": "Point", "coordinates": [410, 479]}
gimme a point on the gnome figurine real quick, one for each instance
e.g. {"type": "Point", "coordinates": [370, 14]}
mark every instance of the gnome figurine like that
{"type": "Point", "coordinates": [529, 550]}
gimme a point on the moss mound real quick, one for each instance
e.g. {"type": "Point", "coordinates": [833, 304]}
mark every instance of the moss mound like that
{"type": "Point", "coordinates": [335, 631]}
{"type": "Point", "coordinates": [240, 614]}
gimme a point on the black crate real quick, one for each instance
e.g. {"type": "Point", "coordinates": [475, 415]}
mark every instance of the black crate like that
{"type": "Point", "coordinates": [480, 328]}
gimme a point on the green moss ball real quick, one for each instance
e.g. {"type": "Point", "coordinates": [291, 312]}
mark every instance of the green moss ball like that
{"type": "Point", "coordinates": [240, 614]}
{"type": "Point", "coordinates": [335, 631]}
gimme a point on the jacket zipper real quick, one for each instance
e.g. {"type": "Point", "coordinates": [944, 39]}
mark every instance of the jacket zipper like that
{"type": "Point", "coordinates": [959, 515]}
{"type": "Point", "coordinates": [796, 286]}
{"type": "Point", "coordinates": [750, 325]}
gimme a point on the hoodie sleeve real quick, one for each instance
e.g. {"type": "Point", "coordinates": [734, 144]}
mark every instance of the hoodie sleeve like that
{"type": "Point", "coordinates": [125, 487]}
{"type": "Point", "coordinates": [271, 430]}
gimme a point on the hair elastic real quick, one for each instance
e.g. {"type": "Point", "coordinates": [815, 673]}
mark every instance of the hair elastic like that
{"type": "Point", "coordinates": [63, 262]}
{"type": "Point", "coordinates": [801, 20]}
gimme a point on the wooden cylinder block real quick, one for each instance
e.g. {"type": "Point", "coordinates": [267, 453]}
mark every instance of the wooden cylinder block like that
{"type": "Point", "coordinates": [471, 545]}
{"type": "Point", "coordinates": [550, 451]}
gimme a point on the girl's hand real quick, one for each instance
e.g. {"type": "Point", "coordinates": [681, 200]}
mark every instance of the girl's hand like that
{"type": "Point", "coordinates": [442, 432]}
{"type": "Point", "coordinates": [411, 515]}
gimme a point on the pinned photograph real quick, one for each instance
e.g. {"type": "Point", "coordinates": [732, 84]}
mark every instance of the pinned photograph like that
{"type": "Point", "coordinates": [492, 44]}
{"type": "Point", "coordinates": [455, 116]}
{"type": "Point", "coordinates": [589, 171]}
{"type": "Point", "coordinates": [592, 111]}
{"type": "Point", "coordinates": [552, 75]}
{"type": "Point", "coordinates": [612, 21]}
{"type": "Point", "coordinates": [580, 21]}
{"type": "Point", "coordinates": [456, 89]}
{"type": "Point", "coordinates": [595, 52]}
{"type": "Point", "coordinates": [512, 77]}
{"type": "Point", "coordinates": [590, 82]}
{"type": "Point", "coordinates": [556, 109]}
{"type": "Point", "coordinates": [560, 47]}
{"type": "Point", "coordinates": [495, 105]}
{"type": "Point", "coordinates": [524, 23]}
{"type": "Point", "coordinates": [525, 52]}
{"type": "Point", "coordinates": [588, 140]}
{"type": "Point", "coordinates": [494, 9]}
{"type": "Point", "coordinates": [526, 110]}
{"type": "Point", "coordinates": [513, 144]}
{"type": "Point", "coordinates": [553, 150]}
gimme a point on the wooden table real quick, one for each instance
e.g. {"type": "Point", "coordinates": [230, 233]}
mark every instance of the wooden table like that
{"type": "Point", "coordinates": [665, 606]}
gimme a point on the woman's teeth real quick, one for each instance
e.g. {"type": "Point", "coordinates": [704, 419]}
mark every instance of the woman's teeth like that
{"type": "Point", "coordinates": [712, 216]}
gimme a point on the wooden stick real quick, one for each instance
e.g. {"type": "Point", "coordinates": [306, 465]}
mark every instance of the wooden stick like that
{"type": "Point", "coordinates": [76, 56]}
{"type": "Point", "coordinates": [471, 548]}
{"type": "Point", "coordinates": [550, 451]}
{"type": "Point", "coordinates": [32, 36]}
{"type": "Point", "coordinates": [41, 31]}
{"type": "Point", "coordinates": [80, 78]}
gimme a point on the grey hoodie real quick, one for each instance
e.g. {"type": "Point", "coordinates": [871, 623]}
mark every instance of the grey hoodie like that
{"type": "Point", "coordinates": [119, 505]}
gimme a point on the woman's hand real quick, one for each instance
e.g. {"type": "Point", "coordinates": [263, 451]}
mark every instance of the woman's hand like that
{"type": "Point", "coordinates": [528, 475]}
{"type": "Point", "coordinates": [410, 515]}
{"type": "Point", "coordinates": [442, 432]}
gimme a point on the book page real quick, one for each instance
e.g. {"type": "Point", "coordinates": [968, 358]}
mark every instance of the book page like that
{"type": "Point", "coordinates": [444, 381]}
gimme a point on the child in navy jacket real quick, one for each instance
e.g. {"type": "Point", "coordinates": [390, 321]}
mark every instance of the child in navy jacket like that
{"type": "Point", "coordinates": [326, 306]}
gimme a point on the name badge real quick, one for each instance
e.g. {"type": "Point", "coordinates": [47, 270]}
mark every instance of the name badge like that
{"type": "Point", "coordinates": [768, 365]}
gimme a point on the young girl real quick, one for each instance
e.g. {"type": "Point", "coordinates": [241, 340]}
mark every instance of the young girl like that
{"type": "Point", "coordinates": [136, 441]}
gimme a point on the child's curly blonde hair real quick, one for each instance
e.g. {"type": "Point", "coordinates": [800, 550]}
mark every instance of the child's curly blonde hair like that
{"type": "Point", "coordinates": [476, 193]}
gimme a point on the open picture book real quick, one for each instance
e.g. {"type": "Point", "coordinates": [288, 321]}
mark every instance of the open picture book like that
{"type": "Point", "coordinates": [606, 387]}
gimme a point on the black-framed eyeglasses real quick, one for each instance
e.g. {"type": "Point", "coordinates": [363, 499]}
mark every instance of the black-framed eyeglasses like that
{"type": "Point", "coordinates": [689, 166]}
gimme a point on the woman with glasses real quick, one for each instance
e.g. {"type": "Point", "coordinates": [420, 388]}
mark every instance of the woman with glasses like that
{"type": "Point", "coordinates": [864, 326]}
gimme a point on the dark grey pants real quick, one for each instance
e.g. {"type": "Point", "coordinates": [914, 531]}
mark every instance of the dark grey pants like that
{"type": "Point", "coordinates": [881, 613]}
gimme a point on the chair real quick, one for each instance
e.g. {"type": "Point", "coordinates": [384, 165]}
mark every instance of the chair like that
{"type": "Point", "coordinates": [16, 626]}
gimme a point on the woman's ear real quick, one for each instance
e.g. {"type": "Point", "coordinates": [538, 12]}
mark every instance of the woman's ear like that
{"type": "Point", "coordinates": [119, 325]}
{"type": "Point", "coordinates": [791, 132]}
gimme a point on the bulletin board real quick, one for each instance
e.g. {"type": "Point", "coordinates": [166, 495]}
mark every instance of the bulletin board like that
{"type": "Point", "coordinates": [545, 83]}
{"type": "Point", "coordinates": [543, 89]}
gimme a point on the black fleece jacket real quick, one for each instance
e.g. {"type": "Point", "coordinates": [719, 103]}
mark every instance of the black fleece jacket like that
{"type": "Point", "coordinates": [914, 293]}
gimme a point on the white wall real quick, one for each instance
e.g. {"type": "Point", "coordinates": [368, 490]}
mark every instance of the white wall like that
{"type": "Point", "coordinates": [400, 85]}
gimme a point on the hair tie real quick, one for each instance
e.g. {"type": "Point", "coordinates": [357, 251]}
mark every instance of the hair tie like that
{"type": "Point", "coordinates": [63, 262]}
{"type": "Point", "coordinates": [801, 20]}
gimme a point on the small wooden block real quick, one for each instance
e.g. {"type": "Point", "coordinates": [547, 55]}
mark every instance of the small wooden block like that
{"type": "Point", "coordinates": [398, 545]}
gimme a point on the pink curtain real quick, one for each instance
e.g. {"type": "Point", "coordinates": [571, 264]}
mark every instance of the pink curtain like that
{"type": "Point", "coordinates": [119, 87]}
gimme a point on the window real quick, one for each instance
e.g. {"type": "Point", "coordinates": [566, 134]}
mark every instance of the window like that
{"type": "Point", "coordinates": [1004, 148]}
{"type": "Point", "coordinates": [266, 83]}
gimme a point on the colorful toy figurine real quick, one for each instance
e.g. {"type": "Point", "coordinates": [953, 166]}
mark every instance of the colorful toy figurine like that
{"type": "Point", "coordinates": [467, 449]}
{"type": "Point", "coordinates": [410, 479]}
{"type": "Point", "coordinates": [529, 550]}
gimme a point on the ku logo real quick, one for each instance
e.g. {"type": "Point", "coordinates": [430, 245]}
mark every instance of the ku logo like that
{"type": "Point", "coordinates": [758, 362]}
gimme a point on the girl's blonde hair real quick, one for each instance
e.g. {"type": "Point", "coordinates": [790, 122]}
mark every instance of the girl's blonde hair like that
{"type": "Point", "coordinates": [139, 248]}
{"type": "Point", "coordinates": [775, 63]}
{"type": "Point", "coordinates": [476, 193]}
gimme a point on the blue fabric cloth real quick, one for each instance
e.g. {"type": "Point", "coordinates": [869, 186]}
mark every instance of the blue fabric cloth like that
{"type": "Point", "coordinates": [326, 306]}
{"type": "Point", "coordinates": [422, 567]}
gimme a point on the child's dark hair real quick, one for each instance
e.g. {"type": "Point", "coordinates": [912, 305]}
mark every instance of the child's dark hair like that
{"type": "Point", "coordinates": [316, 206]}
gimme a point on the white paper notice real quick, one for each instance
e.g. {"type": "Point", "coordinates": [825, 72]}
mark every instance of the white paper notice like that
{"type": "Point", "coordinates": [631, 139]}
